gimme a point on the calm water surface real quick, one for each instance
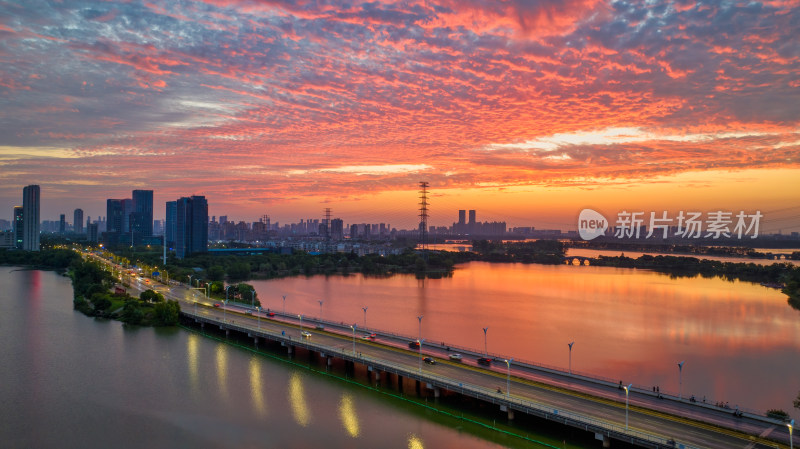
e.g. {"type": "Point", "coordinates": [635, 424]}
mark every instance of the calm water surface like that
{"type": "Point", "coordinates": [740, 341]}
{"type": "Point", "coordinates": [69, 381]}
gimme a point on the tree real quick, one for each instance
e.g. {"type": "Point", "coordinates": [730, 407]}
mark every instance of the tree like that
{"type": "Point", "coordinates": [132, 312]}
{"type": "Point", "coordinates": [151, 296]}
{"type": "Point", "coordinates": [216, 273]}
{"type": "Point", "coordinates": [797, 401]}
{"type": "Point", "coordinates": [166, 313]}
{"type": "Point", "coordinates": [239, 270]}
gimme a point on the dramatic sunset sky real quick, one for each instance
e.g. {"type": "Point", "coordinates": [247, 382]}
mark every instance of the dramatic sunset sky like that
{"type": "Point", "coordinates": [525, 110]}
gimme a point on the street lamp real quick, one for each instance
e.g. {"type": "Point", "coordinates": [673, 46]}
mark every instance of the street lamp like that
{"type": "Point", "coordinates": [627, 390]}
{"type": "Point", "coordinates": [320, 310]}
{"type": "Point", "coordinates": [301, 323]}
{"type": "Point", "coordinates": [419, 331]}
{"type": "Point", "coordinates": [791, 427]}
{"type": "Point", "coordinates": [258, 316]}
{"type": "Point", "coordinates": [420, 355]}
{"type": "Point", "coordinates": [485, 351]}
{"type": "Point", "coordinates": [224, 304]}
{"type": "Point", "coordinates": [570, 356]}
{"type": "Point", "coordinates": [284, 304]}
{"type": "Point", "coordinates": [253, 298]}
{"type": "Point", "coordinates": [354, 338]}
{"type": "Point", "coordinates": [190, 279]}
{"type": "Point", "coordinates": [226, 292]}
{"type": "Point", "coordinates": [680, 379]}
{"type": "Point", "coordinates": [365, 316]}
{"type": "Point", "coordinates": [508, 378]}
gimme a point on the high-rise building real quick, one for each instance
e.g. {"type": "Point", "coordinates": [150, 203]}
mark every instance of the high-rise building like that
{"type": "Point", "coordinates": [77, 222]}
{"type": "Point", "coordinates": [171, 223]}
{"type": "Point", "coordinates": [191, 234]}
{"type": "Point", "coordinates": [62, 224]}
{"type": "Point", "coordinates": [337, 229]}
{"type": "Point", "coordinates": [19, 226]}
{"type": "Point", "coordinates": [462, 217]}
{"type": "Point", "coordinates": [472, 225]}
{"type": "Point", "coordinates": [91, 232]}
{"type": "Point", "coordinates": [127, 211]}
{"type": "Point", "coordinates": [114, 215]}
{"type": "Point", "coordinates": [31, 199]}
{"type": "Point", "coordinates": [142, 213]}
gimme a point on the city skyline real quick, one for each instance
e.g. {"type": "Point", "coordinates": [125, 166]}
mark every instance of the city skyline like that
{"type": "Point", "coordinates": [528, 113]}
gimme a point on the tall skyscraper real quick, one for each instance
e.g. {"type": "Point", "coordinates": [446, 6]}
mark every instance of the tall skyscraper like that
{"type": "Point", "coordinates": [62, 224]}
{"type": "Point", "coordinates": [471, 226]}
{"type": "Point", "coordinates": [171, 223]}
{"type": "Point", "coordinates": [77, 221]}
{"type": "Point", "coordinates": [31, 199]}
{"type": "Point", "coordinates": [19, 227]}
{"type": "Point", "coordinates": [191, 226]}
{"type": "Point", "coordinates": [142, 215]}
{"type": "Point", "coordinates": [127, 210]}
{"type": "Point", "coordinates": [114, 215]}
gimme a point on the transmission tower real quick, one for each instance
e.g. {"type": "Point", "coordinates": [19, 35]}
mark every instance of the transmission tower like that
{"type": "Point", "coordinates": [423, 216]}
{"type": "Point", "coordinates": [327, 229]}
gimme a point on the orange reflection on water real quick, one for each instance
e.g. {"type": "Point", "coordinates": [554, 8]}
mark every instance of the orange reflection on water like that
{"type": "Point", "coordinates": [222, 370]}
{"type": "Point", "coordinates": [627, 324]}
{"type": "Point", "coordinates": [347, 413]}
{"type": "Point", "coordinates": [297, 400]}
{"type": "Point", "coordinates": [256, 392]}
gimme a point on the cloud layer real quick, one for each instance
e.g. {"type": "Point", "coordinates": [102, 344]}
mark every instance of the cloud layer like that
{"type": "Point", "coordinates": [271, 100]}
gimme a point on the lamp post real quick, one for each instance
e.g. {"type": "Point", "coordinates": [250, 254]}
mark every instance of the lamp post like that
{"type": "Point", "coordinates": [365, 316]}
{"type": "Point", "coordinates": [258, 316]}
{"type": "Point", "coordinates": [354, 338]}
{"type": "Point", "coordinates": [419, 331]}
{"type": "Point", "coordinates": [627, 390]}
{"type": "Point", "coordinates": [190, 279]}
{"type": "Point", "coordinates": [791, 427]}
{"type": "Point", "coordinates": [508, 378]}
{"type": "Point", "coordinates": [224, 303]}
{"type": "Point", "coordinates": [253, 298]}
{"type": "Point", "coordinates": [570, 355]}
{"type": "Point", "coordinates": [301, 323]}
{"type": "Point", "coordinates": [320, 310]}
{"type": "Point", "coordinates": [485, 350]}
{"type": "Point", "coordinates": [420, 355]}
{"type": "Point", "coordinates": [680, 379]}
{"type": "Point", "coordinates": [284, 304]}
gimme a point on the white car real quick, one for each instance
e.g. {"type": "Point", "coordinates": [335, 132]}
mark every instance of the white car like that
{"type": "Point", "coordinates": [305, 334]}
{"type": "Point", "coordinates": [455, 357]}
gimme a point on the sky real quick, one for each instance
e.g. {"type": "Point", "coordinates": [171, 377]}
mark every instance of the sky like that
{"type": "Point", "coordinates": [526, 111]}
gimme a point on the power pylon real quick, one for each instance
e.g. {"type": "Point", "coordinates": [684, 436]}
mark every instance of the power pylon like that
{"type": "Point", "coordinates": [423, 216]}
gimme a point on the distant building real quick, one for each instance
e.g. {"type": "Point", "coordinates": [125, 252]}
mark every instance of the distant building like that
{"type": "Point", "coordinates": [191, 226]}
{"type": "Point", "coordinates": [19, 228]}
{"type": "Point", "coordinates": [91, 232]}
{"type": "Point", "coordinates": [7, 239]}
{"type": "Point", "coordinates": [31, 199]}
{"type": "Point", "coordinates": [337, 229]}
{"type": "Point", "coordinates": [141, 218]}
{"type": "Point", "coordinates": [62, 224]}
{"type": "Point", "coordinates": [77, 222]}
{"type": "Point", "coordinates": [114, 215]}
{"type": "Point", "coordinates": [170, 228]}
{"type": "Point", "coordinates": [127, 210]}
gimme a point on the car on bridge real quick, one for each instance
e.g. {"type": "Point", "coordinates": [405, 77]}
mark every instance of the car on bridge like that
{"type": "Point", "coordinates": [429, 360]}
{"type": "Point", "coordinates": [216, 304]}
{"type": "Point", "coordinates": [270, 314]}
{"type": "Point", "coordinates": [455, 357]}
{"type": "Point", "coordinates": [486, 361]}
{"type": "Point", "coordinates": [305, 334]}
{"type": "Point", "coordinates": [414, 344]}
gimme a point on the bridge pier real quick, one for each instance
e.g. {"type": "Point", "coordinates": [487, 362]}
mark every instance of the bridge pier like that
{"type": "Point", "coordinates": [606, 441]}
{"type": "Point", "coordinates": [508, 410]}
{"type": "Point", "coordinates": [329, 361]}
{"type": "Point", "coordinates": [289, 350]}
{"type": "Point", "coordinates": [436, 393]}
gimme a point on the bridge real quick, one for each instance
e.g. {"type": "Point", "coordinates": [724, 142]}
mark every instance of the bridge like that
{"type": "Point", "coordinates": [592, 405]}
{"type": "Point", "coordinates": [609, 410]}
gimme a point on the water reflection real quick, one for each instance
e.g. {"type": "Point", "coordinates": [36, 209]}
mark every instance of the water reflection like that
{"type": "Point", "coordinates": [222, 370]}
{"type": "Point", "coordinates": [414, 442]}
{"type": "Point", "coordinates": [191, 356]}
{"type": "Point", "coordinates": [256, 393]}
{"type": "Point", "coordinates": [347, 413]}
{"type": "Point", "coordinates": [297, 399]}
